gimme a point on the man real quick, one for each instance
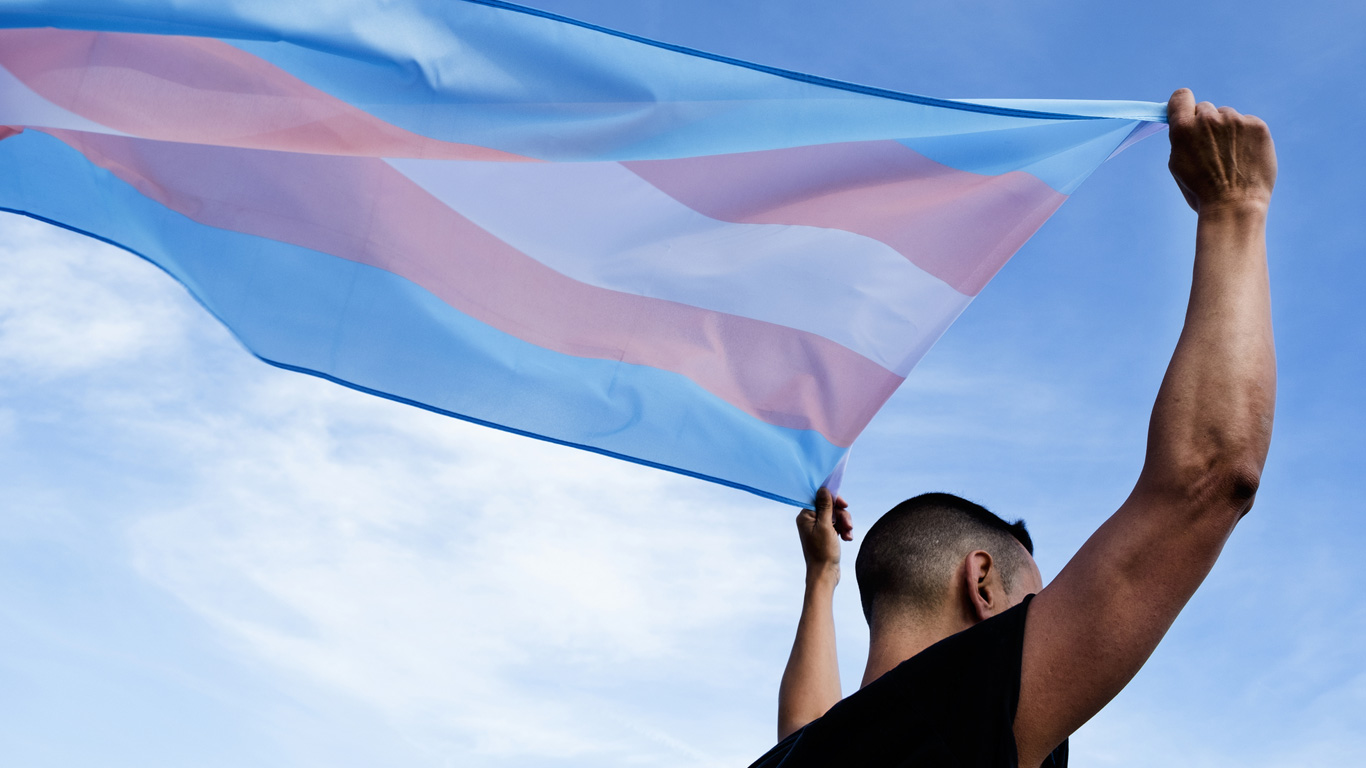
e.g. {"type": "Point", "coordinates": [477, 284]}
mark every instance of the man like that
{"type": "Point", "coordinates": [967, 665]}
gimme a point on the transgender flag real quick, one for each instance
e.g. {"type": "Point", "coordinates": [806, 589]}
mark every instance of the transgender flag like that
{"type": "Point", "coordinates": [686, 261]}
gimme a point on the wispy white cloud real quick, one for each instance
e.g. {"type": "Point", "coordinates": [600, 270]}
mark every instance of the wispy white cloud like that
{"type": "Point", "coordinates": [485, 596]}
{"type": "Point", "coordinates": [70, 305]}
{"type": "Point", "coordinates": [486, 599]}
{"type": "Point", "coordinates": [452, 577]}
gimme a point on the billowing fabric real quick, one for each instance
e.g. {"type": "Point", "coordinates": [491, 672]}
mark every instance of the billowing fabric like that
{"type": "Point", "coordinates": [682, 260]}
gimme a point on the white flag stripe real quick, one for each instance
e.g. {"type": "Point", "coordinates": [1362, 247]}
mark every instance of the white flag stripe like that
{"type": "Point", "coordinates": [851, 289]}
{"type": "Point", "coordinates": [20, 106]}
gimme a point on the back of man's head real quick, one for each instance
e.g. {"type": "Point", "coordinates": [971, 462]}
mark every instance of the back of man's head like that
{"type": "Point", "coordinates": [908, 559]}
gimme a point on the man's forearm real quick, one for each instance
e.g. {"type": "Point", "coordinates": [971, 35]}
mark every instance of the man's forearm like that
{"type": "Point", "coordinates": [811, 682]}
{"type": "Point", "coordinates": [1211, 425]}
{"type": "Point", "coordinates": [1096, 624]}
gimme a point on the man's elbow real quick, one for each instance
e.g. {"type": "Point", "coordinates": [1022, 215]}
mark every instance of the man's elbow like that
{"type": "Point", "coordinates": [1232, 491]}
{"type": "Point", "coordinates": [1211, 469]}
{"type": "Point", "coordinates": [1212, 487]}
{"type": "Point", "coordinates": [1232, 469]}
{"type": "Point", "coordinates": [1241, 486]}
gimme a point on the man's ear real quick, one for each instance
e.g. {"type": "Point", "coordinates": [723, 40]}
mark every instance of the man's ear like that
{"type": "Point", "coordinates": [982, 584]}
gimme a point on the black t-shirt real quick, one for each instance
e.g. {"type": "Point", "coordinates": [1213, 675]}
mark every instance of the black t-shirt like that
{"type": "Point", "coordinates": [950, 706]}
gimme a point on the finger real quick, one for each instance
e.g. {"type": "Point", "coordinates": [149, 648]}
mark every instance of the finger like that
{"type": "Point", "coordinates": [1230, 112]}
{"type": "Point", "coordinates": [1181, 106]}
{"type": "Point", "coordinates": [1257, 129]}
{"type": "Point", "coordinates": [1206, 109]}
{"type": "Point", "coordinates": [844, 524]}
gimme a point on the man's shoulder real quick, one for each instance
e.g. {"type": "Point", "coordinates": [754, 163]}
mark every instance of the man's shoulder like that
{"type": "Point", "coordinates": [987, 655]}
{"type": "Point", "coordinates": [951, 704]}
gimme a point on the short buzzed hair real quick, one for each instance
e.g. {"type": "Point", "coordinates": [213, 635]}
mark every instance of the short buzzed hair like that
{"type": "Point", "coordinates": [908, 557]}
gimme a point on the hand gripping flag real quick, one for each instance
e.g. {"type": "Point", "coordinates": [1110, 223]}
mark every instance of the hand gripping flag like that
{"type": "Point", "coordinates": [674, 258]}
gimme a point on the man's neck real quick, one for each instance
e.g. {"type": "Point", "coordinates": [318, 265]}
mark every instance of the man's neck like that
{"type": "Point", "coordinates": [892, 642]}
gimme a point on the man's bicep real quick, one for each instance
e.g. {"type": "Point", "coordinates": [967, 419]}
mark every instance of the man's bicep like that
{"type": "Point", "coordinates": [1094, 626]}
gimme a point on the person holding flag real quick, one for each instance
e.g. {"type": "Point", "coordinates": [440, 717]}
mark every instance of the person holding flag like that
{"type": "Point", "coordinates": [974, 662]}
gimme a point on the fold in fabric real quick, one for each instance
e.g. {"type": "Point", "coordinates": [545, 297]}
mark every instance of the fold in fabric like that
{"type": "Point", "coordinates": [682, 260]}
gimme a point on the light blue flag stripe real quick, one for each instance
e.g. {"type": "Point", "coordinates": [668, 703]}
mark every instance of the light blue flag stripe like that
{"type": "Point", "coordinates": [374, 331]}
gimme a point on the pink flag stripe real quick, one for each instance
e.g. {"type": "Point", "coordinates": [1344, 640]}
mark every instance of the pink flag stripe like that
{"type": "Point", "coordinates": [958, 226]}
{"type": "Point", "coordinates": [953, 224]}
{"type": "Point", "coordinates": [204, 91]}
{"type": "Point", "coordinates": [306, 200]}
{"type": "Point", "coordinates": [851, 289]}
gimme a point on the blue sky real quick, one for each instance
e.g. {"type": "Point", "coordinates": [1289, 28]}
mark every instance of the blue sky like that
{"type": "Point", "coordinates": [206, 561]}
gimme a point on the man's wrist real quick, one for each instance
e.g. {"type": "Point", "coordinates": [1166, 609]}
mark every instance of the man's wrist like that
{"type": "Point", "coordinates": [822, 575]}
{"type": "Point", "coordinates": [1248, 210]}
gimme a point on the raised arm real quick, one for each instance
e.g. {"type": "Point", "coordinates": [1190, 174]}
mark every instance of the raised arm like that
{"type": "Point", "coordinates": [1090, 631]}
{"type": "Point", "coordinates": [811, 682]}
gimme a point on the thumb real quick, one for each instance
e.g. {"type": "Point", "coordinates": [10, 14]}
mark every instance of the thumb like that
{"type": "Point", "coordinates": [1181, 106]}
{"type": "Point", "coordinates": [825, 509]}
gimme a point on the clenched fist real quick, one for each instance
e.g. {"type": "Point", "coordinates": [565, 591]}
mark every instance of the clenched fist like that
{"type": "Point", "coordinates": [1219, 157]}
{"type": "Point", "coordinates": [821, 530]}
